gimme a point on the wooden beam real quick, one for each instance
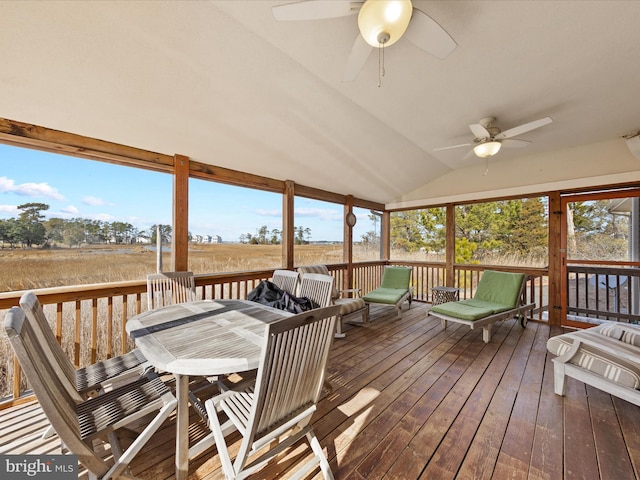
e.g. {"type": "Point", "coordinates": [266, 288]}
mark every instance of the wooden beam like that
{"type": "Point", "coordinates": [54, 141]}
{"type": "Point", "coordinates": [180, 229]}
{"type": "Point", "coordinates": [323, 195]}
{"type": "Point", "coordinates": [228, 176]}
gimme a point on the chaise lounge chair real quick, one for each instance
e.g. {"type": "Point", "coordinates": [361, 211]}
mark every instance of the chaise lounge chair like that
{"type": "Point", "coordinates": [351, 308]}
{"type": "Point", "coordinates": [606, 357]}
{"type": "Point", "coordinates": [499, 296]}
{"type": "Point", "coordinates": [394, 289]}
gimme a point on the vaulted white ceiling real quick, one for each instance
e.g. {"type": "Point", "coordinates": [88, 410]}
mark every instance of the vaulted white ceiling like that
{"type": "Point", "coordinates": [224, 83]}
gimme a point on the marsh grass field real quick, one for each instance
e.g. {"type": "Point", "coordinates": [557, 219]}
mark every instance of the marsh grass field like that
{"type": "Point", "coordinates": [22, 269]}
{"type": "Point", "coordinates": [26, 269]}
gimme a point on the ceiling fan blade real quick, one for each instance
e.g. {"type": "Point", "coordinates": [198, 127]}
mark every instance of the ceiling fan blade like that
{"type": "Point", "coordinates": [469, 154]}
{"type": "Point", "coordinates": [357, 58]}
{"type": "Point", "coordinates": [315, 9]}
{"type": "Point", "coordinates": [425, 33]}
{"type": "Point", "coordinates": [527, 127]}
{"type": "Point", "coordinates": [514, 143]}
{"type": "Point", "coordinates": [479, 131]}
{"type": "Point", "coordinates": [452, 146]}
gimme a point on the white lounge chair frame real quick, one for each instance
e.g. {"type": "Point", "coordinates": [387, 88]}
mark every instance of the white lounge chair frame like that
{"type": "Point", "coordinates": [486, 323]}
{"type": "Point", "coordinates": [563, 369]}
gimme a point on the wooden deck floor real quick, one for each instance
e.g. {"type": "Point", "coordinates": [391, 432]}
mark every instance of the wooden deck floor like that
{"type": "Point", "coordinates": [411, 401]}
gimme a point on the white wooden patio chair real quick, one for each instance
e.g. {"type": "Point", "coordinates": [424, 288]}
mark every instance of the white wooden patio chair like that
{"type": "Point", "coordinates": [286, 280]}
{"type": "Point", "coordinates": [169, 288]}
{"type": "Point", "coordinates": [88, 380]}
{"type": "Point", "coordinates": [317, 288]}
{"type": "Point", "coordinates": [281, 400]}
{"type": "Point", "coordinates": [80, 424]}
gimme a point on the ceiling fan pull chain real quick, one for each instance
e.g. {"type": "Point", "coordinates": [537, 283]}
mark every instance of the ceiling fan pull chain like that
{"type": "Point", "coordinates": [486, 166]}
{"type": "Point", "coordinates": [380, 64]}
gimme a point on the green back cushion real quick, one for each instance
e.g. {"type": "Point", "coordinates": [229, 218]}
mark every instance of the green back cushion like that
{"type": "Point", "coordinates": [499, 287]}
{"type": "Point", "coordinates": [396, 277]}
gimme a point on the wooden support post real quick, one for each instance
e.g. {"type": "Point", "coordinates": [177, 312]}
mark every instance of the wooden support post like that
{"type": "Point", "coordinates": [347, 246]}
{"type": "Point", "coordinates": [288, 200]}
{"type": "Point", "coordinates": [385, 236]}
{"type": "Point", "coordinates": [180, 229]}
{"type": "Point", "coordinates": [450, 246]}
{"type": "Point", "coordinates": [557, 255]}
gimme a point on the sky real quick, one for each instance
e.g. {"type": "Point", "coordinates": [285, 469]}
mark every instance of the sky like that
{"type": "Point", "coordinates": [79, 188]}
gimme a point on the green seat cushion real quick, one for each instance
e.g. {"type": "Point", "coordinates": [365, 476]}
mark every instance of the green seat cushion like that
{"type": "Point", "coordinates": [499, 287]}
{"type": "Point", "coordinates": [471, 309]}
{"type": "Point", "coordinates": [390, 296]}
{"type": "Point", "coordinates": [396, 277]}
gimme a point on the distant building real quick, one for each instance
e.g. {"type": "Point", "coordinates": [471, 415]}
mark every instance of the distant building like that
{"type": "Point", "coordinates": [207, 238]}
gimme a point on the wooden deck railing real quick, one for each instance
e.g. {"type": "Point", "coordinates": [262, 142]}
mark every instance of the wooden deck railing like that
{"type": "Point", "coordinates": [602, 293]}
{"type": "Point", "coordinates": [89, 320]}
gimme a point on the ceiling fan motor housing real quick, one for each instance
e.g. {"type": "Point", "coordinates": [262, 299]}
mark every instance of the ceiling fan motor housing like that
{"type": "Point", "coordinates": [383, 22]}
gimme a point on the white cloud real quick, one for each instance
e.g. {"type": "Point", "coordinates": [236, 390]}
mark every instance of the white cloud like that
{"type": "Point", "coordinates": [70, 209]}
{"type": "Point", "coordinates": [29, 189]}
{"type": "Point", "coordinates": [94, 201]}
{"type": "Point", "coordinates": [269, 213]}
{"type": "Point", "coordinates": [321, 213]}
{"type": "Point", "coordinates": [9, 208]}
{"type": "Point", "coordinates": [104, 217]}
{"type": "Point", "coordinates": [326, 214]}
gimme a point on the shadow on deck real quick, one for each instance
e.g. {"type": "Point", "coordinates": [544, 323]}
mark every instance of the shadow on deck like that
{"type": "Point", "coordinates": [412, 401]}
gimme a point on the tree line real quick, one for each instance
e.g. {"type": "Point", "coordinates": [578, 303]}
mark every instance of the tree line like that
{"type": "Point", "coordinates": [264, 236]}
{"type": "Point", "coordinates": [31, 228]}
{"type": "Point", "coordinates": [511, 227]}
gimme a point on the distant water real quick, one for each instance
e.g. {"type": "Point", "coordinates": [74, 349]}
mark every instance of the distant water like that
{"type": "Point", "coordinates": [153, 248]}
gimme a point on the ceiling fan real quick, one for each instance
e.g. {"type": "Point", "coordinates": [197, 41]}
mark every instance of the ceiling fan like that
{"type": "Point", "coordinates": [488, 139]}
{"type": "Point", "coordinates": [381, 24]}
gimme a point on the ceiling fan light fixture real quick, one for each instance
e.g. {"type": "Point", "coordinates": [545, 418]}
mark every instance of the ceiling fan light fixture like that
{"type": "Point", "coordinates": [487, 149]}
{"type": "Point", "coordinates": [383, 22]}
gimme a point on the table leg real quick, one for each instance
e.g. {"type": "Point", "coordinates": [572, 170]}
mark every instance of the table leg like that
{"type": "Point", "coordinates": [182, 427]}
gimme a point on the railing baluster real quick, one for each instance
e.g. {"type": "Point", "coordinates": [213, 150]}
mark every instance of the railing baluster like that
{"type": "Point", "coordinates": [78, 333]}
{"type": "Point", "coordinates": [94, 330]}
{"type": "Point", "coordinates": [110, 327]}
